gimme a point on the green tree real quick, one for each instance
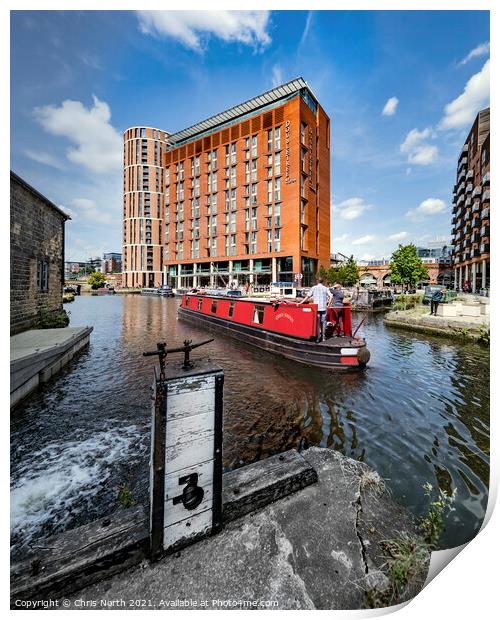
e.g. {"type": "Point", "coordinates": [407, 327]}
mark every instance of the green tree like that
{"type": "Point", "coordinates": [322, 273]}
{"type": "Point", "coordinates": [406, 267]}
{"type": "Point", "coordinates": [96, 279]}
{"type": "Point", "coordinates": [349, 273]}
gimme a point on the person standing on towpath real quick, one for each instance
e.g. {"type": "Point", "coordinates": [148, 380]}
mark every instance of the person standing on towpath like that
{"type": "Point", "coordinates": [436, 298]}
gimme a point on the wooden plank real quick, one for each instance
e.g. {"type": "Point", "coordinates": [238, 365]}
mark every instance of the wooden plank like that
{"type": "Point", "coordinates": [182, 406]}
{"type": "Point", "coordinates": [179, 456]}
{"type": "Point", "coordinates": [186, 385]}
{"type": "Point", "coordinates": [188, 530]}
{"type": "Point", "coordinates": [67, 562]}
{"type": "Point", "coordinates": [259, 484]}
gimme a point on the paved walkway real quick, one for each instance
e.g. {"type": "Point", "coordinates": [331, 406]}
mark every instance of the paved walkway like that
{"type": "Point", "coordinates": [315, 549]}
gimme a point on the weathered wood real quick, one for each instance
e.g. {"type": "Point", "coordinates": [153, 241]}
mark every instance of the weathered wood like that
{"type": "Point", "coordinates": [67, 562]}
{"type": "Point", "coordinates": [254, 486]}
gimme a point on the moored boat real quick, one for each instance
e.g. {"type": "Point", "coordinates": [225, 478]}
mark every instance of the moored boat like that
{"type": "Point", "coordinates": [282, 327]}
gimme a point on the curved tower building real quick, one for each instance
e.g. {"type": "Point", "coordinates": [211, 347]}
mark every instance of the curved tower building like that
{"type": "Point", "coordinates": [143, 206]}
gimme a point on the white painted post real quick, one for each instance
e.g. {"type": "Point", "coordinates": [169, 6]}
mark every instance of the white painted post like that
{"type": "Point", "coordinates": [186, 503]}
{"type": "Point", "coordinates": [251, 271]}
{"type": "Point", "coordinates": [274, 270]}
{"type": "Point", "coordinates": [473, 266]}
{"type": "Point", "coordinates": [483, 274]}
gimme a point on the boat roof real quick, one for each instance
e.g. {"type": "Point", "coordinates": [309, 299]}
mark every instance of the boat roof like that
{"type": "Point", "coordinates": [260, 300]}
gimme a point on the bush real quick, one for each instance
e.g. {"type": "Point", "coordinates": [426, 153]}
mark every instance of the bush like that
{"type": "Point", "coordinates": [404, 302]}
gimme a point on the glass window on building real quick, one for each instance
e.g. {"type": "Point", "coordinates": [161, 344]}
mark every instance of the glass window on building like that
{"type": "Point", "coordinates": [254, 146]}
{"type": "Point", "coordinates": [277, 189]}
{"type": "Point", "coordinates": [42, 275]}
{"type": "Point", "coordinates": [233, 153]}
{"type": "Point", "coordinates": [277, 164]}
{"type": "Point", "coordinates": [269, 140]}
{"type": "Point", "coordinates": [277, 138]}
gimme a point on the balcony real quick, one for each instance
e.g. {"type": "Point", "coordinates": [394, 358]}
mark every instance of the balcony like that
{"type": "Point", "coordinates": [469, 188]}
{"type": "Point", "coordinates": [475, 251]}
{"type": "Point", "coordinates": [466, 256]}
{"type": "Point", "coordinates": [475, 207]}
{"type": "Point", "coordinates": [475, 237]}
{"type": "Point", "coordinates": [460, 199]}
{"type": "Point", "coordinates": [467, 216]}
{"type": "Point", "coordinates": [461, 188]}
{"type": "Point", "coordinates": [485, 231]}
{"type": "Point", "coordinates": [476, 191]}
{"type": "Point", "coordinates": [461, 174]}
{"type": "Point", "coordinates": [486, 196]}
{"type": "Point", "coordinates": [475, 223]}
{"type": "Point", "coordinates": [484, 248]}
{"type": "Point", "coordinates": [485, 213]}
{"type": "Point", "coordinates": [486, 179]}
{"type": "Point", "coordinates": [468, 201]}
{"type": "Point", "coordinates": [470, 175]}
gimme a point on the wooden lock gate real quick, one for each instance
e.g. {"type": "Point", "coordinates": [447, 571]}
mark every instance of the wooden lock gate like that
{"type": "Point", "coordinates": [186, 450]}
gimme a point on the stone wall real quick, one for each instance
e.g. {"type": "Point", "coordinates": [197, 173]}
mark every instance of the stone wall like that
{"type": "Point", "coordinates": [36, 234]}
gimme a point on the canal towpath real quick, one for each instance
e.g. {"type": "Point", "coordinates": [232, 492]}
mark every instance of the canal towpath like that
{"type": "Point", "coordinates": [318, 548]}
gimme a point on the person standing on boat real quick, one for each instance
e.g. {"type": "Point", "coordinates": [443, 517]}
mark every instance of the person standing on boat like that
{"type": "Point", "coordinates": [337, 304]}
{"type": "Point", "coordinates": [321, 297]}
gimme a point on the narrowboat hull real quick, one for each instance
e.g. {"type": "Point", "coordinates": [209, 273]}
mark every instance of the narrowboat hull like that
{"type": "Point", "coordinates": [336, 353]}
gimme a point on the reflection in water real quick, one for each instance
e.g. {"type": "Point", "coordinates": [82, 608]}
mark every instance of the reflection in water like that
{"type": "Point", "coordinates": [420, 412]}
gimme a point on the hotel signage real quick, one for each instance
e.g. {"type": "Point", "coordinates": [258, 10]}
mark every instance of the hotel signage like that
{"type": "Point", "coordinates": [310, 157]}
{"type": "Point", "coordinates": [288, 180]}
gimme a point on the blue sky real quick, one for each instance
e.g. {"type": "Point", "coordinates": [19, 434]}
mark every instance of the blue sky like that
{"type": "Point", "coordinates": [401, 88]}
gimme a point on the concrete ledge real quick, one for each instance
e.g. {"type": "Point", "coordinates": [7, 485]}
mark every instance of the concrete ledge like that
{"type": "Point", "coordinates": [36, 355]}
{"type": "Point", "coordinates": [435, 325]}
{"type": "Point", "coordinates": [69, 561]}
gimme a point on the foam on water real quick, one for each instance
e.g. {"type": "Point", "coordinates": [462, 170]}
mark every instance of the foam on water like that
{"type": "Point", "coordinates": [57, 480]}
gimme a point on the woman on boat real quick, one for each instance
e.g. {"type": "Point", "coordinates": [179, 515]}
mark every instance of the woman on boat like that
{"type": "Point", "coordinates": [337, 305]}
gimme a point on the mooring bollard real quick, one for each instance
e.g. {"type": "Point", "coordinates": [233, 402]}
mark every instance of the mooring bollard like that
{"type": "Point", "coordinates": [186, 450]}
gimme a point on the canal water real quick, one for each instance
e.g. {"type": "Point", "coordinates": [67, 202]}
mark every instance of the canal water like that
{"type": "Point", "coordinates": [419, 413]}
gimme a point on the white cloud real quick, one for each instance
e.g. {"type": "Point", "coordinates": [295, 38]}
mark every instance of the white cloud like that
{"type": "Point", "coordinates": [351, 209]}
{"type": "Point", "coordinates": [363, 240]}
{"type": "Point", "coordinates": [390, 106]}
{"type": "Point", "coordinates": [89, 210]}
{"type": "Point", "coordinates": [367, 257]}
{"type": "Point", "coordinates": [398, 236]}
{"type": "Point", "coordinates": [481, 50]}
{"type": "Point", "coordinates": [98, 144]}
{"type": "Point", "coordinates": [42, 157]}
{"type": "Point", "coordinates": [462, 110]}
{"type": "Point", "coordinates": [419, 152]}
{"type": "Point", "coordinates": [427, 208]}
{"type": "Point", "coordinates": [193, 28]}
{"type": "Point", "coordinates": [277, 75]}
{"type": "Point", "coordinates": [343, 237]}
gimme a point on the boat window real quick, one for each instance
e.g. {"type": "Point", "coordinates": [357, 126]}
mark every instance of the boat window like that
{"type": "Point", "coordinates": [214, 306]}
{"type": "Point", "coordinates": [231, 308]}
{"type": "Point", "coordinates": [200, 301]}
{"type": "Point", "coordinates": [187, 301]}
{"type": "Point", "coordinates": [258, 315]}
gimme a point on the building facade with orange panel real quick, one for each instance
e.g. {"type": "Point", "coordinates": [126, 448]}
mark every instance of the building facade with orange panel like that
{"type": "Point", "coordinates": [246, 194]}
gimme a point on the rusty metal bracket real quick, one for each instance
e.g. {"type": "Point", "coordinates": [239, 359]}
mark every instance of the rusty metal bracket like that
{"type": "Point", "coordinates": [186, 349]}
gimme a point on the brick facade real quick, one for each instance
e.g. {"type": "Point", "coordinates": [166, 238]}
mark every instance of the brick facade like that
{"type": "Point", "coordinates": [246, 199]}
{"type": "Point", "coordinates": [36, 255]}
{"type": "Point", "coordinates": [471, 209]}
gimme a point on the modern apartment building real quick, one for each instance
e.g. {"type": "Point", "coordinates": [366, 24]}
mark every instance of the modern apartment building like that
{"type": "Point", "coordinates": [243, 195]}
{"type": "Point", "coordinates": [143, 206]}
{"type": "Point", "coordinates": [471, 209]}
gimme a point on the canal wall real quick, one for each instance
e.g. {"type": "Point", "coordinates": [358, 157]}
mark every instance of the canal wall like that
{"type": "Point", "coordinates": [453, 327]}
{"type": "Point", "coordinates": [303, 531]}
{"type": "Point", "coordinates": [36, 355]}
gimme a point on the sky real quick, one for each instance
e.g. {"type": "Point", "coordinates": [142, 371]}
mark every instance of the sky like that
{"type": "Point", "coordinates": [401, 88]}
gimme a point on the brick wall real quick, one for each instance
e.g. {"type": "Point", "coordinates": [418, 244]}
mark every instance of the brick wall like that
{"type": "Point", "coordinates": [36, 233]}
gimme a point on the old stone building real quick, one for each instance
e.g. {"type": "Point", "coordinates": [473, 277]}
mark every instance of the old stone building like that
{"type": "Point", "coordinates": [36, 255]}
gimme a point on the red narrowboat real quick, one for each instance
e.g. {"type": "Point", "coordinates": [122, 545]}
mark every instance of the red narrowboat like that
{"type": "Point", "coordinates": [283, 327]}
